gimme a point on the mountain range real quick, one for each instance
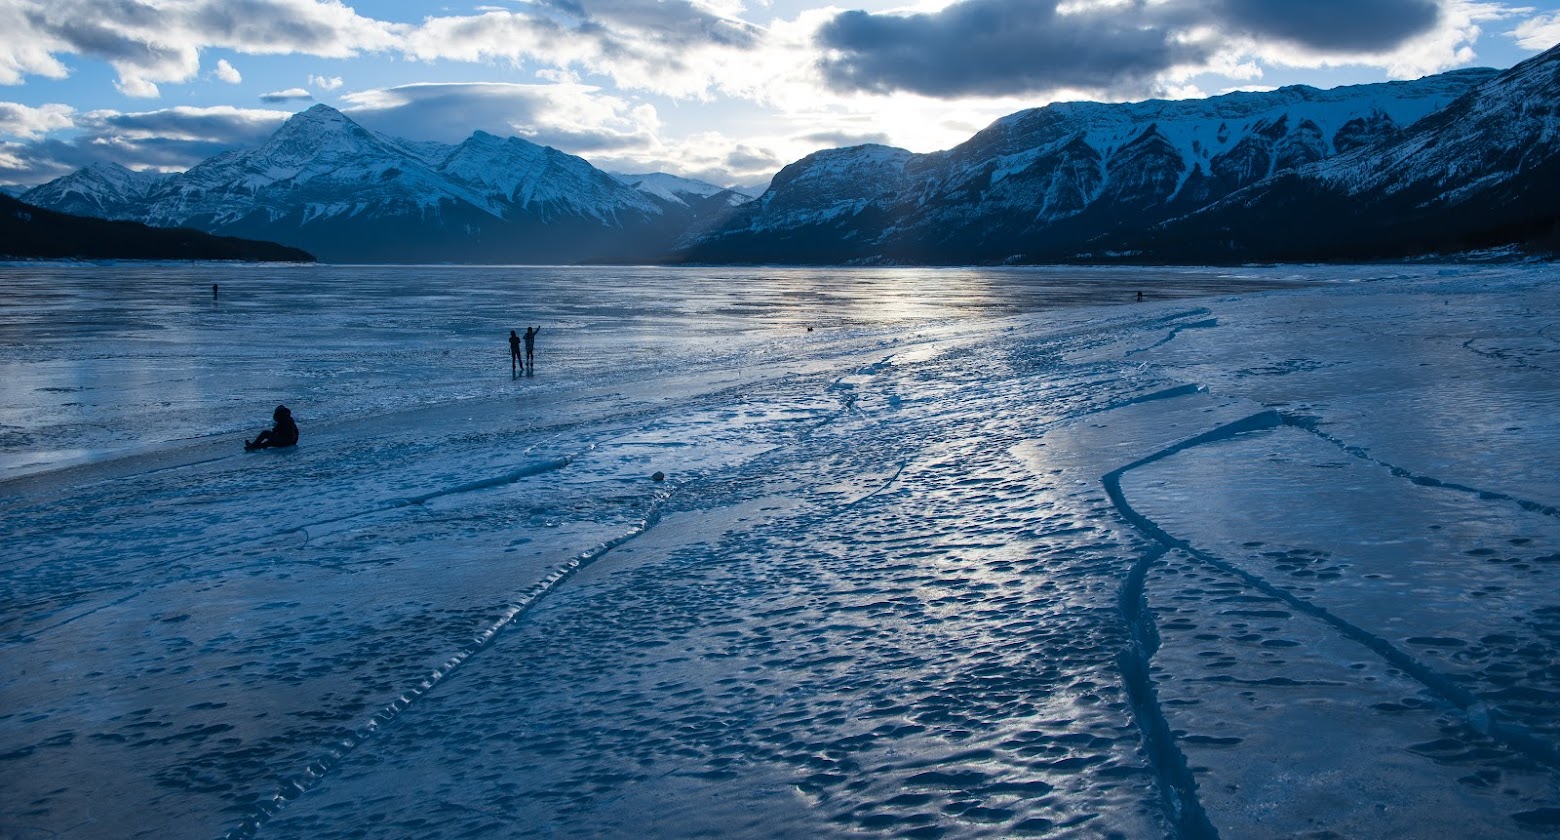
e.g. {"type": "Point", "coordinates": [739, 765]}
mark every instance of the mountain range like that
{"type": "Point", "coordinates": [1456, 161]}
{"type": "Point", "coordinates": [1452, 162]}
{"type": "Point", "coordinates": [328, 185]}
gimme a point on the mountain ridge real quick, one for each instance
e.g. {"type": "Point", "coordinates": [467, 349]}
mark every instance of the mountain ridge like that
{"type": "Point", "coordinates": [324, 183]}
{"type": "Point", "coordinates": [1045, 183]}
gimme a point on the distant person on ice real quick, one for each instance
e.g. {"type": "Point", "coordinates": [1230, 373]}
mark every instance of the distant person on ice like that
{"type": "Point", "coordinates": [284, 433]}
{"type": "Point", "coordinates": [516, 363]}
{"type": "Point", "coordinates": [530, 346]}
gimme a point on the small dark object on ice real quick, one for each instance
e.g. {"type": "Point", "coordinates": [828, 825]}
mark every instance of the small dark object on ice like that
{"type": "Point", "coordinates": [658, 476]}
{"type": "Point", "coordinates": [284, 433]}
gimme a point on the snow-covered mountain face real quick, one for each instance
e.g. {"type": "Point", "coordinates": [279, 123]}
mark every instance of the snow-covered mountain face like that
{"type": "Point", "coordinates": [1064, 173]}
{"type": "Point", "coordinates": [685, 191]}
{"type": "Point", "coordinates": [1481, 172]}
{"type": "Point", "coordinates": [104, 190]}
{"type": "Point", "coordinates": [324, 183]}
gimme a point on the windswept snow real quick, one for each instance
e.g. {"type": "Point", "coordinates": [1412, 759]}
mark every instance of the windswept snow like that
{"type": "Point", "coordinates": [980, 554]}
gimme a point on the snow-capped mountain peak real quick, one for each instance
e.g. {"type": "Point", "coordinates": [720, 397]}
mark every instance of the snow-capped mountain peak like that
{"type": "Point", "coordinates": [325, 183]}
{"type": "Point", "coordinates": [1052, 178]}
{"type": "Point", "coordinates": [101, 189]}
{"type": "Point", "coordinates": [679, 190]}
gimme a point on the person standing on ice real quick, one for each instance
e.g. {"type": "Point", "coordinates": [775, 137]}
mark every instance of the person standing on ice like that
{"type": "Point", "coordinates": [283, 433]}
{"type": "Point", "coordinates": [530, 348]}
{"type": "Point", "coordinates": [515, 362]}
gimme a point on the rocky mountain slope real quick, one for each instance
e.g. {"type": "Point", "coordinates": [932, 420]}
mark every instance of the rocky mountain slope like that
{"type": "Point", "coordinates": [1481, 173]}
{"type": "Point", "coordinates": [1050, 182]}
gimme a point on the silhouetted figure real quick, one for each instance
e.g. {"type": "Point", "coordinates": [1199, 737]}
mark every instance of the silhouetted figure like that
{"type": "Point", "coordinates": [530, 347]}
{"type": "Point", "coordinates": [1140, 296]}
{"type": "Point", "coordinates": [515, 361]}
{"type": "Point", "coordinates": [284, 433]}
{"type": "Point", "coordinates": [213, 291]}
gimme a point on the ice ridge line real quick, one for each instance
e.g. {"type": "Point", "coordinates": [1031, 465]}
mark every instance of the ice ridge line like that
{"type": "Point", "coordinates": [316, 771]}
{"type": "Point", "coordinates": [534, 468]}
{"type": "Point", "coordinates": [1177, 785]}
{"type": "Point", "coordinates": [1479, 715]}
{"type": "Point", "coordinates": [880, 488]}
{"type": "Point", "coordinates": [1153, 396]}
{"type": "Point", "coordinates": [1306, 424]}
{"type": "Point", "coordinates": [1207, 323]}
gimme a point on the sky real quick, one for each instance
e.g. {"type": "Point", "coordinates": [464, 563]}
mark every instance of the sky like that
{"type": "Point", "coordinates": [726, 91]}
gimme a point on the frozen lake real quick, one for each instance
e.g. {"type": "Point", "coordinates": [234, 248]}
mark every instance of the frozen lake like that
{"type": "Point", "coordinates": [939, 553]}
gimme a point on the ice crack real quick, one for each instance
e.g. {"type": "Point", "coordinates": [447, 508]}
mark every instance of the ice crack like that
{"type": "Point", "coordinates": [318, 769]}
{"type": "Point", "coordinates": [1478, 714]}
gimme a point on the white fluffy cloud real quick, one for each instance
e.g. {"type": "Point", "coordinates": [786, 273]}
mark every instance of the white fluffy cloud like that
{"type": "Point", "coordinates": [29, 123]}
{"type": "Point", "coordinates": [1538, 33]}
{"type": "Point", "coordinates": [227, 73]}
{"type": "Point", "coordinates": [288, 95]}
{"type": "Point", "coordinates": [325, 83]}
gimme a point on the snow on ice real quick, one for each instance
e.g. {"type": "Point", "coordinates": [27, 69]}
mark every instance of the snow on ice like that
{"type": "Point", "coordinates": [982, 554]}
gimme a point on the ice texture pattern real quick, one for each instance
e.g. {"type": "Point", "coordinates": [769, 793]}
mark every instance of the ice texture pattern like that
{"type": "Point", "coordinates": [938, 553]}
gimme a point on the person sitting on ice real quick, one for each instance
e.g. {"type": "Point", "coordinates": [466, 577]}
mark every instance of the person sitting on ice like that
{"type": "Point", "coordinates": [284, 433]}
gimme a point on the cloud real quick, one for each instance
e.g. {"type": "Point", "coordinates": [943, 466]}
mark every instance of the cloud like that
{"type": "Point", "coordinates": [171, 139]}
{"type": "Point", "coordinates": [679, 47]}
{"type": "Point", "coordinates": [997, 47]}
{"type": "Point", "coordinates": [612, 132]}
{"type": "Point", "coordinates": [1344, 25]}
{"type": "Point", "coordinates": [1538, 33]}
{"type": "Point", "coordinates": [28, 123]}
{"type": "Point", "coordinates": [149, 43]}
{"type": "Point", "coordinates": [674, 47]}
{"type": "Point", "coordinates": [576, 118]}
{"type": "Point", "coordinates": [1126, 48]}
{"type": "Point", "coordinates": [288, 95]}
{"type": "Point", "coordinates": [325, 83]}
{"type": "Point", "coordinates": [227, 73]}
{"type": "Point", "coordinates": [838, 139]}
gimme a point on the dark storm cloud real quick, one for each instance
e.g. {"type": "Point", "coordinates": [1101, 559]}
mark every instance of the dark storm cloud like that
{"type": "Point", "coordinates": [997, 47]}
{"type": "Point", "coordinates": [1347, 25]}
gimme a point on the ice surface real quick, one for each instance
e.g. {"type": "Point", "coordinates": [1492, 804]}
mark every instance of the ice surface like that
{"type": "Point", "coordinates": [977, 555]}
